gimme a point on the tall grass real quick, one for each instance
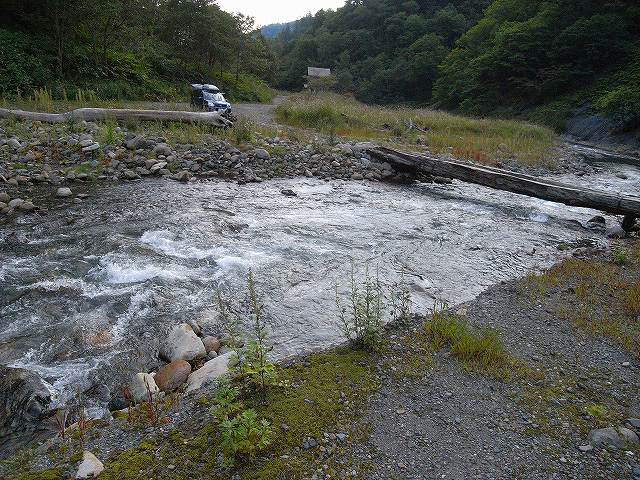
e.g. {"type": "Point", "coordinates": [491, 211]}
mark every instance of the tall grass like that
{"type": "Point", "coordinates": [485, 141]}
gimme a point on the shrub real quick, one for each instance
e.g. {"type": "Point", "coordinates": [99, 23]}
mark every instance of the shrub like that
{"type": "Point", "coordinates": [361, 322]}
{"type": "Point", "coordinates": [244, 435]}
{"type": "Point", "coordinates": [622, 106]}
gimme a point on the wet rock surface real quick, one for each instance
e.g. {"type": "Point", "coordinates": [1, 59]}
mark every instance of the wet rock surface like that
{"type": "Point", "coordinates": [24, 407]}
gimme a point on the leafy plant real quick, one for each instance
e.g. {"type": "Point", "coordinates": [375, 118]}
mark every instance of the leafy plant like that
{"type": "Point", "coordinates": [227, 404]}
{"type": "Point", "coordinates": [621, 257]}
{"type": "Point", "coordinates": [255, 369]}
{"type": "Point", "coordinates": [361, 321]}
{"type": "Point", "coordinates": [401, 303]}
{"type": "Point", "coordinates": [244, 435]}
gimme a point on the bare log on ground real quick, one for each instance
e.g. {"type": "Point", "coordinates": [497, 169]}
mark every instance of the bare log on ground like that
{"type": "Point", "coordinates": [499, 179]}
{"type": "Point", "coordinates": [97, 114]}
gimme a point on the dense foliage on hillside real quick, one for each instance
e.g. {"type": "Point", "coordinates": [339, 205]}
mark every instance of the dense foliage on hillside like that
{"type": "Point", "coordinates": [475, 56]}
{"type": "Point", "coordinates": [128, 48]}
{"type": "Point", "coordinates": [382, 50]}
{"type": "Point", "coordinates": [527, 52]}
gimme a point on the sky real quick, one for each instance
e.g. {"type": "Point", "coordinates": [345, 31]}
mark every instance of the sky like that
{"type": "Point", "coordinates": [277, 11]}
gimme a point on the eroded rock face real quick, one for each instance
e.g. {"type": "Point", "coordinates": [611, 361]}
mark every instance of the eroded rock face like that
{"type": "Point", "coordinates": [24, 408]}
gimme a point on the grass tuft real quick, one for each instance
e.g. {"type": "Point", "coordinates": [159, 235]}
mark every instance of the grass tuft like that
{"type": "Point", "coordinates": [477, 349]}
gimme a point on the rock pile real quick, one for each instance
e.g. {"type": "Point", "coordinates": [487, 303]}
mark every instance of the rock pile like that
{"type": "Point", "coordinates": [194, 361]}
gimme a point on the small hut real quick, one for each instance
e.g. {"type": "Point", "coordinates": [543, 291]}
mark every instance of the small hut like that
{"type": "Point", "coordinates": [319, 79]}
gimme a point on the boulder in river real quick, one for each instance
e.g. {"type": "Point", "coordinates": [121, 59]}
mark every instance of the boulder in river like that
{"type": "Point", "coordinates": [24, 403]}
{"type": "Point", "coordinates": [210, 372]}
{"type": "Point", "coordinates": [171, 376]}
{"type": "Point", "coordinates": [182, 344]}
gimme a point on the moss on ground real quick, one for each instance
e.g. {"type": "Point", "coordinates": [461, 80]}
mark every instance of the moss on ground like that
{"type": "Point", "coordinates": [323, 394]}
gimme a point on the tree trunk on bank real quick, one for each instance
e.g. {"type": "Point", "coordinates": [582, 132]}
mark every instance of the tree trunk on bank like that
{"type": "Point", "coordinates": [499, 179]}
{"type": "Point", "coordinates": [97, 114]}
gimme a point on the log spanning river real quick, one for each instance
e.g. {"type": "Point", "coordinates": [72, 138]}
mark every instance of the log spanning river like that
{"type": "Point", "coordinates": [88, 291]}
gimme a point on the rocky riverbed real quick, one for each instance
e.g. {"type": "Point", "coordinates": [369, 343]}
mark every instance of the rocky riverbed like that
{"type": "Point", "coordinates": [109, 250]}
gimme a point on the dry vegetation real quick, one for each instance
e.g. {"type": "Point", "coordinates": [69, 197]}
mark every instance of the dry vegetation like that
{"type": "Point", "coordinates": [482, 140]}
{"type": "Point", "coordinates": [606, 295]}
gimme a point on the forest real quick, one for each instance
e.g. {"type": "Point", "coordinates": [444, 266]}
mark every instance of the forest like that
{"type": "Point", "coordinates": [503, 57]}
{"type": "Point", "coordinates": [129, 49]}
{"type": "Point", "coordinates": [534, 59]}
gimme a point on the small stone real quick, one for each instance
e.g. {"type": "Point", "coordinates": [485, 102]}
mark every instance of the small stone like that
{"type": "Point", "coordinates": [211, 344]}
{"type": "Point", "coordinates": [4, 197]}
{"type": "Point", "coordinates": [183, 176]}
{"type": "Point", "coordinates": [616, 232]}
{"type": "Point", "coordinates": [140, 386]}
{"type": "Point", "coordinates": [210, 371]}
{"type": "Point", "coordinates": [288, 193]}
{"type": "Point", "coordinates": [91, 148]}
{"type": "Point", "coordinates": [357, 176]}
{"type": "Point", "coordinates": [64, 192]}
{"type": "Point", "coordinates": [585, 448]}
{"type": "Point", "coordinates": [171, 376]}
{"type": "Point", "coordinates": [90, 467]}
{"type": "Point", "coordinates": [262, 154]}
{"type": "Point", "coordinates": [16, 202]}
{"type": "Point", "coordinates": [633, 422]}
{"type": "Point", "coordinates": [626, 364]}
{"type": "Point", "coordinates": [14, 143]}
{"type": "Point", "coordinates": [341, 437]}
{"type": "Point", "coordinates": [162, 149]}
{"type": "Point", "coordinates": [616, 437]}
{"type": "Point", "coordinates": [26, 207]}
{"type": "Point", "coordinates": [130, 175]}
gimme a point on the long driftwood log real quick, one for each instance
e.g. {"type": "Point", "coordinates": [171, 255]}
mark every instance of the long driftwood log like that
{"type": "Point", "coordinates": [97, 114]}
{"type": "Point", "coordinates": [498, 179]}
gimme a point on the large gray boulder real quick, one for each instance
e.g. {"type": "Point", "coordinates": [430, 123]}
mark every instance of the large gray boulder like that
{"type": "Point", "coordinates": [182, 344]}
{"type": "Point", "coordinates": [24, 405]}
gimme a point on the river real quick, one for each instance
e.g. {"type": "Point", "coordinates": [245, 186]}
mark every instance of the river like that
{"type": "Point", "coordinates": [88, 291]}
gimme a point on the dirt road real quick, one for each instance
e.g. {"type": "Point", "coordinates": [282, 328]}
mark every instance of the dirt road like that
{"type": "Point", "coordinates": [258, 112]}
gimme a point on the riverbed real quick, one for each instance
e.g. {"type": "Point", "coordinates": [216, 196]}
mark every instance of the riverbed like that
{"type": "Point", "coordinates": [89, 290]}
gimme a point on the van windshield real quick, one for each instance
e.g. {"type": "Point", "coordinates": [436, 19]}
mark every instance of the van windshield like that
{"type": "Point", "coordinates": [213, 97]}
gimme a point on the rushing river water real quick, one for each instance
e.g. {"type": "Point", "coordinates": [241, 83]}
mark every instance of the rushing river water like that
{"type": "Point", "coordinates": [88, 291]}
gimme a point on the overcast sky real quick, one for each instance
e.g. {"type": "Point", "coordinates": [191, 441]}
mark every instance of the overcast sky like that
{"type": "Point", "coordinates": [277, 11]}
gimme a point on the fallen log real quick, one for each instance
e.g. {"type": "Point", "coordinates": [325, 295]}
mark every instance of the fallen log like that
{"type": "Point", "coordinates": [97, 114]}
{"type": "Point", "coordinates": [499, 179]}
